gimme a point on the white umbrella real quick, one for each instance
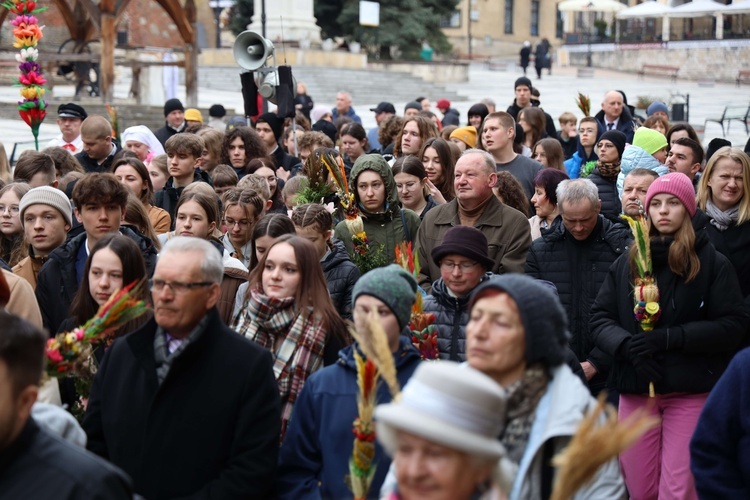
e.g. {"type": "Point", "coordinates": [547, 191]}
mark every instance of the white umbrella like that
{"type": "Point", "coordinates": [737, 8]}
{"type": "Point", "coordinates": [645, 9]}
{"type": "Point", "coordinates": [591, 6]}
{"type": "Point", "coordinates": [697, 8]}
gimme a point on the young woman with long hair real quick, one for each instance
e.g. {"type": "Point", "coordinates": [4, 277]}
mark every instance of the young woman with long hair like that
{"type": "Point", "coordinates": [242, 210]}
{"type": "Point", "coordinates": [135, 175]}
{"type": "Point", "coordinates": [13, 246]}
{"type": "Point", "coordinates": [549, 153]}
{"type": "Point", "coordinates": [353, 139]}
{"type": "Point", "coordinates": [415, 131]}
{"type": "Point", "coordinates": [439, 160]}
{"type": "Point", "coordinates": [533, 121]}
{"type": "Point", "coordinates": [411, 184]}
{"type": "Point", "coordinates": [313, 222]}
{"type": "Point", "coordinates": [700, 326]}
{"type": "Point", "coordinates": [286, 309]}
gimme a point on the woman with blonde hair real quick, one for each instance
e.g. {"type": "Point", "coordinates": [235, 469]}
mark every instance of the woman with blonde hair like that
{"type": "Point", "coordinates": [724, 198]}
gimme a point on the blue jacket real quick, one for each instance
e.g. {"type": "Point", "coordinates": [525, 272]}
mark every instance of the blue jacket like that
{"type": "Point", "coordinates": [637, 157]}
{"type": "Point", "coordinates": [574, 163]}
{"type": "Point", "coordinates": [314, 459]}
{"type": "Point", "coordinates": [720, 448]}
{"type": "Point", "coordinates": [351, 114]}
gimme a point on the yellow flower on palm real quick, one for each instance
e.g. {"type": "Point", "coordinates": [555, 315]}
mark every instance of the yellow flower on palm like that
{"type": "Point", "coordinates": [32, 93]}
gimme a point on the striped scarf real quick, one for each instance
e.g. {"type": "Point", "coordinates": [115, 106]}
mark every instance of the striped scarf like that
{"type": "Point", "coordinates": [295, 338]}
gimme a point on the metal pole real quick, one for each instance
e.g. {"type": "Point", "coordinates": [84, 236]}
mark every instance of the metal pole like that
{"type": "Point", "coordinates": [263, 18]}
{"type": "Point", "coordinates": [217, 15]}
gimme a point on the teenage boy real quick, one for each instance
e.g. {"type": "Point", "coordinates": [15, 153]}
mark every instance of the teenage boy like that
{"type": "Point", "coordinates": [100, 201]}
{"type": "Point", "coordinates": [311, 463]}
{"type": "Point", "coordinates": [35, 169]}
{"type": "Point", "coordinates": [184, 152]}
{"type": "Point", "coordinates": [498, 133]}
{"type": "Point", "coordinates": [46, 217]}
{"type": "Point", "coordinates": [269, 127]}
{"type": "Point", "coordinates": [568, 134]}
{"type": "Point", "coordinates": [589, 132]}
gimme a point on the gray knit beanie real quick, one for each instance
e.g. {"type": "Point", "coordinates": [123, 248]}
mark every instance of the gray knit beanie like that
{"type": "Point", "coordinates": [47, 195]}
{"type": "Point", "coordinates": [544, 320]}
{"type": "Point", "coordinates": [393, 286]}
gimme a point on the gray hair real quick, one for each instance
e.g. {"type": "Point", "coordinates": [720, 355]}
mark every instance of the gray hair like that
{"type": "Point", "coordinates": [489, 161]}
{"type": "Point", "coordinates": [344, 93]}
{"type": "Point", "coordinates": [212, 264]}
{"type": "Point", "coordinates": [576, 190]}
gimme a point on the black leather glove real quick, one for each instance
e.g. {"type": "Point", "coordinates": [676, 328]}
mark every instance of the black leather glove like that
{"type": "Point", "coordinates": [656, 341]}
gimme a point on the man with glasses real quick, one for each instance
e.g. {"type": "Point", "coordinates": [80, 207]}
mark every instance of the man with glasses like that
{"type": "Point", "coordinates": [184, 405]}
{"type": "Point", "coordinates": [575, 255]}
{"type": "Point", "coordinates": [464, 264]}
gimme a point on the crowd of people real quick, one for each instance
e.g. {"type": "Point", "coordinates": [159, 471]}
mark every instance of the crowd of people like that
{"type": "Point", "coordinates": [536, 251]}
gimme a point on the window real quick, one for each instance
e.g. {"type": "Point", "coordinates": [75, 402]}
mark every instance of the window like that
{"type": "Point", "coordinates": [534, 17]}
{"type": "Point", "coordinates": [508, 17]}
{"type": "Point", "coordinates": [454, 21]}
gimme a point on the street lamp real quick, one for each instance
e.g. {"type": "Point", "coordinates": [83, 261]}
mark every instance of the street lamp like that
{"type": "Point", "coordinates": [218, 7]}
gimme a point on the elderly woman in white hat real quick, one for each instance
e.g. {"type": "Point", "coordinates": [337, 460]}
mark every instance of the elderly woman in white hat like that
{"type": "Point", "coordinates": [442, 434]}
{"type": "Point", "coordinates": [140, 140]}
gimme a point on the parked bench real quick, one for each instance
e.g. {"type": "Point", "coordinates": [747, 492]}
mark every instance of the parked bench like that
{"type": "Point", "coordinates": [731, 113]}
{"type": "Point", "coordinates": [659, 70]}
{"type": "Point", "coordinates": [743, 77]}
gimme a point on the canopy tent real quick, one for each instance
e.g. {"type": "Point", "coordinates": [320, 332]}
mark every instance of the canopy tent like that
{"type": "Point", "coordinates": [697, 8]}
{"type": "Point", "coordinates": [591, 6]}
{"type": "Point", "coordinates": [645, 9]}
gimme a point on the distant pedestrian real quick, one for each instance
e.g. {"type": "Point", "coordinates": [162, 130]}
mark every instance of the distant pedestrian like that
{"type": "Point", "coordinates": [525, 55]}
{"type": "Point", "coordinates": [542, 57]}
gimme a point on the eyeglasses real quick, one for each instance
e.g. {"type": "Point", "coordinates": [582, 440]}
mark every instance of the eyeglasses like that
{"type": "Point", "coordinates": [465, 267]}
{"type": "Point", "coordinates": [177, 287]}
{"type": "Point", "coordinates": [12, 210]}
{"type": "Point", "coordinates": [242, 223]}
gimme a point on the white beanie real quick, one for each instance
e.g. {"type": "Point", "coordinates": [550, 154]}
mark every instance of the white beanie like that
{"type": "Point", "coordinates": [46, 195]}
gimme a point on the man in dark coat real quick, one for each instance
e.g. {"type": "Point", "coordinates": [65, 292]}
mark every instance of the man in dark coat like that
{"type": "Point", "coordinates": [174, 114]}
{"type": "Point", "coordinates": [575, 256]}
{"type": "Point", "coordinates": [615, 115]}
{"type": "Point", "coordinates": [34, 463]}
{"type": "Point", "coordinates": [184, 405]}
{"type": "Point", "coordinates": [100, 201]}
{"type": "Point", "coordinates": [100, 150]}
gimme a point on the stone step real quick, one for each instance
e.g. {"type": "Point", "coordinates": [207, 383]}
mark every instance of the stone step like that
{"type": "Point", "coordinates": [323, 83]}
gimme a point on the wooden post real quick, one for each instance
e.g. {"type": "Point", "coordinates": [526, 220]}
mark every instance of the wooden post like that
{"type": "Point", "coordinates": [107, 63]}
{"type": "Point", "coordinates": [191, 57]}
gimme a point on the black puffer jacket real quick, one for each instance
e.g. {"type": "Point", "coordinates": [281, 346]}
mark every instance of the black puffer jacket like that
{"type": "Point", "coordinates": [168, 197]}
{"type": "Point", "coordinates": [57, 282]}
{"type": "Point", "coordinates": [341, 274]}
{"type": "Point", "coordinates": [708, 311]}
{"type": "Point", "coordinates": [734, 244]}
{"type": "Point", "coordinates": [451, 316]}
{"type": "Point", "coordinates": [611, 204]}
{"type": "Point", "coordinates": [578, 269]}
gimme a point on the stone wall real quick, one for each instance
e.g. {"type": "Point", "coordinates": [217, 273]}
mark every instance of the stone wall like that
{"type": "Point", "coordinates": [698, 60]}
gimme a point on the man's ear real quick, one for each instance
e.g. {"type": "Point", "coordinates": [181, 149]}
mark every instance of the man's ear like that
{"type": "Point", "coordinates": [493, 179]}
{"type": "Point", "coordinates": [78, 215]}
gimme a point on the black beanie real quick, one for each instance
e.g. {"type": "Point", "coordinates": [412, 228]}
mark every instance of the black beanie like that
{"type": "Point", "coordinates": [521, 82]}
{"type": "Point", "coordinates": [544, 320]}
{"type": "Point", "coordinates": [273, 121]}
{"type": "Point", "coordinates": [327, 128]}
{"type": "Point", "coordinates": [217, 111]}
{"type": "Point", "coordinates": [173, 105]}
{"type": "Point", "coordinates": [715, 145]}
{"type": "Point", "coordinates": [617, 138]}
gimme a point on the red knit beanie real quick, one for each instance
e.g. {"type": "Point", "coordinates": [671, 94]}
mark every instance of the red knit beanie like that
{"type": "Point", "coordinates": [677, 184]}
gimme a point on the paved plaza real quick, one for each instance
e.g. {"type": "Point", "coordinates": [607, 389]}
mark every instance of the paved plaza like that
{"type": "Point", "coordinates": [558, 92]}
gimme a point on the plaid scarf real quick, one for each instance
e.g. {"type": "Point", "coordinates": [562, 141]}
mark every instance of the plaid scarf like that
{"type": "Point", "coordinates": [295, 338]}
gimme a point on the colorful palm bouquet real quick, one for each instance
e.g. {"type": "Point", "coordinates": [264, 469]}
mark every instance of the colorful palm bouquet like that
{"type": "Point", "coordinates": [645, 290]}
{"type": "Point", "coordinates": [26, 36]}
{"type": "Point", "coordinates": [423, 332]}
{"type": "Point", "coordinates": [70, 353]}
{"type": "Point", "coordinates": [365, 256]}
{"type": "Point", "coordinates": [361, 470]}
{"type": "Point", "coordinates": [316, 189]}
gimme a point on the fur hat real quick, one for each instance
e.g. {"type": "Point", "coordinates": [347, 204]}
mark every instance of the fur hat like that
{"type": "Point", "coordinates": [449, 404]}
{"type": "Point", "coordinates": [393, 286]}
{"type": "Point", "coordinates": [47, 195]}
{"type": "Point", "coordinates": [546, 333]}
{"type": "Point", "coordinates": [217, 111]}
{"type": "Point", "coordinates": [677, 184]}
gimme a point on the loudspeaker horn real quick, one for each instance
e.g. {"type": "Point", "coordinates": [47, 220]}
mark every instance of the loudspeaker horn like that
{"type": "Point", "coordinates": [251, 50]}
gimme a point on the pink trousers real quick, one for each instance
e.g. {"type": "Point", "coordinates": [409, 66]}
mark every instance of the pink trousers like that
{"type": "Point", "coordinates": [657, 466]}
